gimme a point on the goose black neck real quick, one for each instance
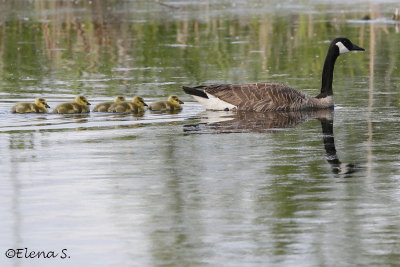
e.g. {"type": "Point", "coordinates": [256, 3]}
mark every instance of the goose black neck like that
{"type": "Point", "coordinates": [331, 155]}
{"type": "Point", "coordinates": [329, 141]}
{"type": "Point", "coordinates": [327, 72]}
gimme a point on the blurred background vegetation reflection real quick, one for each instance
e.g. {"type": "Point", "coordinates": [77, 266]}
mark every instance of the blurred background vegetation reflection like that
{"type": "Point", "coordinates": [115, 47]}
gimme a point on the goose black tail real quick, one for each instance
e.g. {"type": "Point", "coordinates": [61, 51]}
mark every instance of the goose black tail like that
{"type": "Point", "coordinates": [195, 91]}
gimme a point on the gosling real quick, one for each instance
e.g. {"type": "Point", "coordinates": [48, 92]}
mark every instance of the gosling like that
{"type": "Point", "coordinates": [39, 106]}
{"type": "Point", "coordinates": [103, 107]}
{"type": "Point", "coordinates": [172, 104]}
{"type": "Point", "coordinates": [80, 105]}
{"type": "Point", "coordinates": [135, 106]}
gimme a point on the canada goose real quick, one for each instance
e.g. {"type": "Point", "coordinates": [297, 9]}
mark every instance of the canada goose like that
{"type": "Point", "coordinates": [173, 103]}
{"type": "Point", "coordinates": [39, 106]}
{"type": "Point", "coordinates": [135, 106]}
{"type": "Point", "coordinates": [103, 107]}
{"type": "Point", "coordinates": [80, 105]}
{"type": "Point", "coordinates": [261, 97]}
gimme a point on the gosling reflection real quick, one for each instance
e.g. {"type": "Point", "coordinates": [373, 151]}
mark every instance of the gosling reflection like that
{"type": "Point", "coordinates": [246, 122]}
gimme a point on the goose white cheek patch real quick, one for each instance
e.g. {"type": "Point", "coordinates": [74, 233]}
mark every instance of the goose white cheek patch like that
{"type": "Point", "coordinates": [342, 48]}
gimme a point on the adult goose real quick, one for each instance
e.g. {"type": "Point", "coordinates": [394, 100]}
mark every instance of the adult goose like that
{"type": "Point", "coordinates": [264, 96]}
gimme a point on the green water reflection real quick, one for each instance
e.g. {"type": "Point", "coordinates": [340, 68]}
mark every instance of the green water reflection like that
{"type": "Point", "coordinates": [107, 47]}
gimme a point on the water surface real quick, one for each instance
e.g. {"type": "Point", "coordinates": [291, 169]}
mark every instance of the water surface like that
{"type": "Point", "coordinates": [199, 188]}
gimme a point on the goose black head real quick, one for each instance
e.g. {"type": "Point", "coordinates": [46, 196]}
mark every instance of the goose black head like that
{"type": "Point", "coordinates": [344, 45]}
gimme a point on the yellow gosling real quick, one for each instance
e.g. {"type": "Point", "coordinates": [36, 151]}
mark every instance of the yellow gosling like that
{"type": "Point", "coordinates": [39, 106]}
{"type": "Point", "coordinates": [103, 107]}
{"type": "Point", "coordinates": [135, 106]}
{"type": "Point", "coordinates": [80, 105]}
{"type": "Point", "coordinates": [173, 103]}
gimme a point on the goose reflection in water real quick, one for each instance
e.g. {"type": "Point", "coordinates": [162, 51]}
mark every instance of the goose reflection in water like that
{"type": "Point", "coordinates": [331, 156]}
{"type": "Point", "coordinates": [253, 122]}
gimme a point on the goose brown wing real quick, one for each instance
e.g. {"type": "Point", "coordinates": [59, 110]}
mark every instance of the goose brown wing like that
{"type": "Point", "coordinates": [259, 96]}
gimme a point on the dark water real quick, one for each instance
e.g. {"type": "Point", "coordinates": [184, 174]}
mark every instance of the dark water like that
{"type": "Point", "coordinates": [199, 188]}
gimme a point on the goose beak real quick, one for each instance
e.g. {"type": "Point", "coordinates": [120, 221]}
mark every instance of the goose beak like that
{"type": "Point", "coordinates": [181, 102]}
{"type": "Point", "coordinates": [145, 104]}
{"type": "Point", "coordinates": [47, 106]}
{"type": "Point", "coordinates": [357, 48]}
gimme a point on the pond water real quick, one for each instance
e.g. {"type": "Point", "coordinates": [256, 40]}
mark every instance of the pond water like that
{"type": "Point", "coordinates": [199, 188]}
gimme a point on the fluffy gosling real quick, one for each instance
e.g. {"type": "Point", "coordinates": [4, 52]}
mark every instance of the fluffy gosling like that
{"type": "Point", "coordinates": [135, 106]}
{"type": "Point", "coordinates": [103, 107]}
{"type": "Point", "coordinates": [39, 106]}
{"type": "Point", "coordinates": [80, 105]}
{"type": "Point", "coordinates": [173, 103]}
